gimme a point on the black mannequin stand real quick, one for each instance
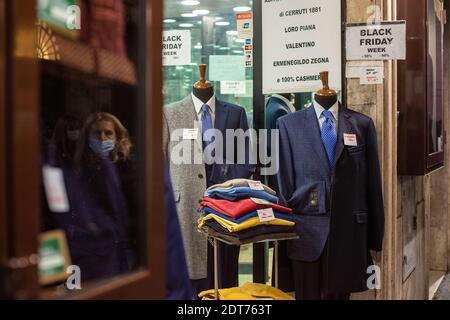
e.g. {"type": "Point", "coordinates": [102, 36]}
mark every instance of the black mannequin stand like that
{"type": "Point", "coordinates": [204, 94]}
{"type": "Point", "coordinates": [326, 101]}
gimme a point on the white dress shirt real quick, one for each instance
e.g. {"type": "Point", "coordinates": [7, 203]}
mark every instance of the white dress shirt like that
{"type": "Point", "coordinates": [198, 104]}
{"type": "Point", "coordinates": [321, 118]}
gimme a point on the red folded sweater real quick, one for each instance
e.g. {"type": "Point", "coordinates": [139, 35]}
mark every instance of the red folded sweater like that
{"type": "Point", "coordinates": [239, 208]}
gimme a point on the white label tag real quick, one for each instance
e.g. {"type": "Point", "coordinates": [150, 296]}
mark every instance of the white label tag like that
{"type": "Point", "coordinates": [266, 215]}
{"type": "Point", "coordinates": [350, 140]}
{"type": "Point", "coordinates": [260, 201]}
{"type": "Point", "coordinates": [256, 185]}
{"type": "Point", "coordinates": [55, 189]}
{"type": "Point", "coordinates": [190, 134]}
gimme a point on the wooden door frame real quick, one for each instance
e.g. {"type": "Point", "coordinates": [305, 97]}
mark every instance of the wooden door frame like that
{"type": "Point", "coordinates": [3, 229]}
{"type": "Point", "coordinates": [20, 167]}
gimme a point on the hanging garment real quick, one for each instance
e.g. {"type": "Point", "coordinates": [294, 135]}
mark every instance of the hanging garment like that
{"type": "Point", "coordinates": [342, 205]}
{"type": "Point", "coordinates": [107, 25]}
{"type": "Point", "coordinates": [190, 180]}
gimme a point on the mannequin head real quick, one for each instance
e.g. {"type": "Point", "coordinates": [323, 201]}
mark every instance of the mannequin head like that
{"type": "Point", "coordinates": [326, 97]}
{"type": "Point", "coordinates": [203, 89]}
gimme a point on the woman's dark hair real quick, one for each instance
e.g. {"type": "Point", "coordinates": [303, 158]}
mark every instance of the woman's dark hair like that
{"type": "Point", "coordinates": [65, 148]}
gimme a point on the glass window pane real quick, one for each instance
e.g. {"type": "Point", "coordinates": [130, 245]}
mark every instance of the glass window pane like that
{"type": "Point", "coordinates": [90, 124]}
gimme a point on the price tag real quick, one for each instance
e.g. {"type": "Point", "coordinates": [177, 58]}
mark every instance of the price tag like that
{"type": "Point", "coordinates": [350, 140]}
{"type": "Point", "coordinates": [260, 201]}
{"type": "Point", "coordinates": [256, 185]}
{"type": "Point", "coordinates": [266, 215]}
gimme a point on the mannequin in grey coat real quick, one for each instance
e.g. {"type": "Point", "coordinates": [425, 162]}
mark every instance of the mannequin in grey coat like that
{"type": "Point", "coordinates": [190, 180]}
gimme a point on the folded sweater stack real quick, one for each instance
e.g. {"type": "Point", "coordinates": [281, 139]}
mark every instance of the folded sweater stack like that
{"type": "Point", "coordinates": [244, 209]}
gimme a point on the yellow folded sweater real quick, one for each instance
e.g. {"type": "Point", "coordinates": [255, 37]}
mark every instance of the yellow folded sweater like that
{"type": "Point", "coordinates": [250, 223]}
{"type": "Point", "coordinates": [249, 291]}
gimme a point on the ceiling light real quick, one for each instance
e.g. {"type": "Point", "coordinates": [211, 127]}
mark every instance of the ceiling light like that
{"type": "Point", "coordinates": [170, 20]}
{"type": "Point", "coordinates": [188, 15]}
{"type": "Point", "coordinates": [186, 25]}
{"type": "Point", "coordinates": [198, 46]}
{"type": "Point", "coordinates": [218, 18]}
{"type": "Point", "coordinates": [232, 32]}
{"type": "Point", "coordinates": [241, 9]}
{"type": "Point", "coordinates": [240, 40]}
{"type": "Point", "coordinates": [190, 3]}
{"type": "Point", "coordinates": [238, 51]}
{"type": "Point", "coordinates": [200, 12]}
{"type": "Point", "coordinates": [222, 23]}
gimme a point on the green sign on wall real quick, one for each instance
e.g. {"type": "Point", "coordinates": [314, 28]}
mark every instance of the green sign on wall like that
{"type": "Point", "coordinates": [54, 257]}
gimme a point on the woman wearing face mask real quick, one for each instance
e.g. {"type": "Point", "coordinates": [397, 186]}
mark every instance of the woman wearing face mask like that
{"type": "Point", "coordinates": [107, 203]}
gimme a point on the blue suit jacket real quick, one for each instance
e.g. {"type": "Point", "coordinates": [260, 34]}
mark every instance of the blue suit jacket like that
{"type": "Point", "coordinates": [343, 207]}
{"type": "Point", "coordinates": [231, 116]}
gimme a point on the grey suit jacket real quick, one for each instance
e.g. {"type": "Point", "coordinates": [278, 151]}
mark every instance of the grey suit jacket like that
{"type": "Point", "coordinates": [189, 182]}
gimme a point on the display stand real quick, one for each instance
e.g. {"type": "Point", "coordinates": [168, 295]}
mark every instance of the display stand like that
{"type": "Point", "coordinates": [215, 237]}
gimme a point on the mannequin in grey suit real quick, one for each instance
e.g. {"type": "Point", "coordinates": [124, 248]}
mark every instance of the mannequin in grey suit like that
{"type": "Point", "coordinates": [191, 180]}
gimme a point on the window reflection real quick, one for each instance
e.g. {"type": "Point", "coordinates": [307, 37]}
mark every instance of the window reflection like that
{"type": "Point", "coordinates": [90, 124]}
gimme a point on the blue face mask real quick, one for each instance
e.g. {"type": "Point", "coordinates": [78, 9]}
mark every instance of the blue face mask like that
{"type": "Point", "coordinates": [102, 148]}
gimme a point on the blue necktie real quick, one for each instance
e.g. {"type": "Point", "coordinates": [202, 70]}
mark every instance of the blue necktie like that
{"type": "Point", "coordinates": [206, 123]}
{"type": "Point", "coordinates": [329, 137]}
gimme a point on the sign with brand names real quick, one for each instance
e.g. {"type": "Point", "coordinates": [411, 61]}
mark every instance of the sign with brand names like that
{"type": "Point", "coordinates": [300, 39]}
{"type": "Point", "coordinates": [385, 41]}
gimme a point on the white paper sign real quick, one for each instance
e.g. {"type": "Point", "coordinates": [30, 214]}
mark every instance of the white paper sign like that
{"type": "Point", "coordinates": [357, 69]}
{"type": "Point", "coordinates": [266, 215]}
{"type": "Point", "coordinates": [232, 87]}
{"type": "Point", "coordinates": [386, 41]}
{"type": "Point", "coordinates": [176, 47]}
{"type": "Point", "coordinates": [372, 75]}
{"type": "Point", "coordinates": [222, 67]}
{"type": "Point", "coordinates": [190, 134]}
{"type": "Point", "coordinates": [300, 40]}
{"type": "Point", "coordinates": [244, 22]}
{"type": "Point", "coordinates": [256, 185]}
{"type": "Point", "coordinates": [55, 189]}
